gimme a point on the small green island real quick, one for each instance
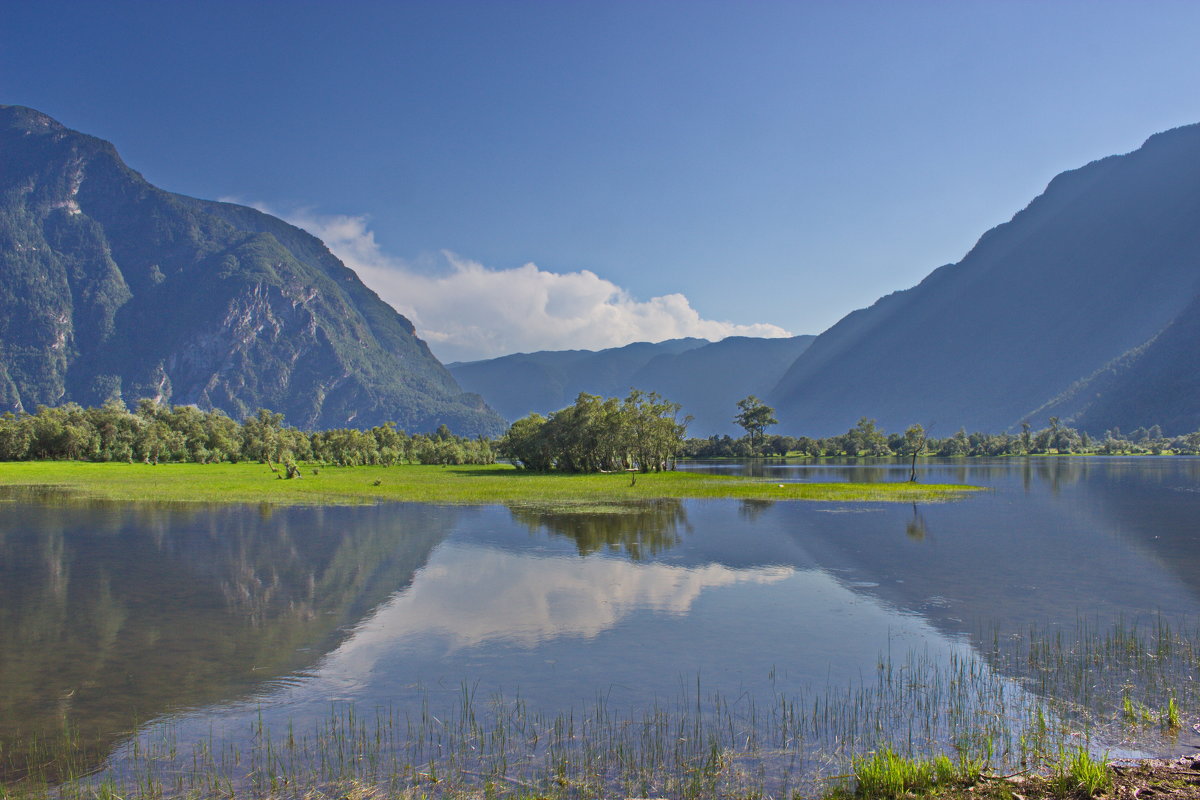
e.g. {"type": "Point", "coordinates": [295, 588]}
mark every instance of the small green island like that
{"type": "Point", "coordinates": [252, 482]}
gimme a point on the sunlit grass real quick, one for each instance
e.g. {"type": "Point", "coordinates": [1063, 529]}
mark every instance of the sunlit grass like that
{"type": "Point", "coordinates": [887, 775]}
{"type": "Point", "coordinates": [256, 483]}
{"type": "Point", "coordinates": [1078, 774]}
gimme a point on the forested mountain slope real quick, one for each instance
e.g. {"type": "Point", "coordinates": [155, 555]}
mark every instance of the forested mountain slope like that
{"type": "Point", "coordinates": [1157, 383]}
{"type": "Point", "coordinates": [1098, 264]}
{"type": "Point", "coordinates": [111, 288]}
{"type": "Point", "coordinates": [707, 378]}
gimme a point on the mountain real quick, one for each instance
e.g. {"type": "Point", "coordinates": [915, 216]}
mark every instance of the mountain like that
{"type": "Point", "coordinates": [710, 380]}
{"type": "Point", "coordinates": [113, 289]}
{"type": "Point", "coordinates": [545, 381]}
{"type": "Point", "coordinates": [1103, 261]}
{"type": "Point", "coordinates": [1154, 384]}
{"type": "Point", "coordinates": [707, 378]}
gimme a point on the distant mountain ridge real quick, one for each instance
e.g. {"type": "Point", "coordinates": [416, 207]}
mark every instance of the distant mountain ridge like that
{"type": "Point", "coordinates": [111, 288]}
{"type": "Point", "coordinates": [706, 378]}
{"type": "Point", "coordinates": [547, 380]}
{"type": "Point", "coordinates": [1097, 266]}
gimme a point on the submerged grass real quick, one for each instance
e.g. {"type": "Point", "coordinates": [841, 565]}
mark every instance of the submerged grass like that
{"type": "Point", "coordinates": [917, 722]}
{"type": "Point", "coordinates": [256, 483]}
{"type": "Point", "coordinates": [1130, 680]}
{"type": "Point", "coordinates": [918, 726]}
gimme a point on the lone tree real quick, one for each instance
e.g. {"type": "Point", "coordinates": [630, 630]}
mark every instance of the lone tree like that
{"type": "Point", "coordinates": [756, 416]}
{"type": "Point", "coordinates": [914, 445]}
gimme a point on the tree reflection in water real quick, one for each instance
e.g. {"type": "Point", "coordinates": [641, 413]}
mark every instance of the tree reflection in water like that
{"type": "Point", "coordinates": [753, 509]}
{"type": "Point", "coordinates": [640, 530]}
{"type": "Point", "coordinates": [915, 528]}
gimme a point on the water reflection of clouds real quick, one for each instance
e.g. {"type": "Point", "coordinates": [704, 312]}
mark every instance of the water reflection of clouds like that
{"type": "Point", "coordinates": [468, 596]}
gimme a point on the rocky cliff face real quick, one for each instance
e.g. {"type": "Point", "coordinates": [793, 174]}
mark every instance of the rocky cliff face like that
{"type": "Point", "coordinates": [113, 289]}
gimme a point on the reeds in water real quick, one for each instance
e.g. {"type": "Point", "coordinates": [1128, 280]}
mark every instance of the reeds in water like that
{"type": "Point", "coordinates": [1022, 705]}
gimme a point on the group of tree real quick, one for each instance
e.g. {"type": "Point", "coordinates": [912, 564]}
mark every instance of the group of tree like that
{"type": "Point", "coordinates": [155, 433]}
{"type": "Point", "coordinates": [866, 439]}
{"type": "Point", "coordinates": [643, 432]}
{"type": "Point", "coordinates": [1062, 439]}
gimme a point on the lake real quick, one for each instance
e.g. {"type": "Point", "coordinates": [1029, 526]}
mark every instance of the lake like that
{"type": "Point", "coordinates": [514, 644]}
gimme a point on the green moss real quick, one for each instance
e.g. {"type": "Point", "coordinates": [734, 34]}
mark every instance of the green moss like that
{"type": "Point", "coordinates": [256, 483]}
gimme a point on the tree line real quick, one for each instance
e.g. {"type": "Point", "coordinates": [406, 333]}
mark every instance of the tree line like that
{"type": "Point", "coordinates": [866, 438]}
{"type": "Point", "coordinates": [643, 432]}
{"type": "Point", "coordinates": [156, 434]}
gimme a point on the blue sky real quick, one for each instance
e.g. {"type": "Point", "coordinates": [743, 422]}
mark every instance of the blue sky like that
{"type": "Point", "coordinates": [517, 175]}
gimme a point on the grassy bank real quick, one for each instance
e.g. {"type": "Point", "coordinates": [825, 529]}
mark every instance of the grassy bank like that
{"type": "Point", "coordinates": [256, 483]}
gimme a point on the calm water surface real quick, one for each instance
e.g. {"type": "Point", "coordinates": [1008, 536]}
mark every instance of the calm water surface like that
{"type": "Point", "coordinates": [114, 616]}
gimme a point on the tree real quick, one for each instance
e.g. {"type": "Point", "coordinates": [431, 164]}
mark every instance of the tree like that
{"type": "Point", "coordinates": [525, 443]}
{"type": "Point", "coordinates": [865, 437]}
{"type": "Point", "coordinates": [956, 445]}
{"type": "Point", "coordinates": [914, 445]}
{"type": "Point", "coordinates": [595, 434]}
{"type": "Point", "coordinates": [653, 431]}
{"type": "Point", "coordinates": [755, 417]}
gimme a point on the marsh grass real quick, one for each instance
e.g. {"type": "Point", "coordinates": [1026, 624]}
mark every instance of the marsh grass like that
{"type": "Point", "coordinates": [1032, 706]}
{"type": "Point", "coordinates": [696, 745]}
{"type": "Point", "coordinates": [1078, 774]}
{"type": "Point", "coordinates": [1127, 682]}
{"type": "Point", "coordinates": [1171, 715]}
{"type": "Point", "coordinates": [887, 775]}
{"type": "Point", "coordinates": [255, 483]}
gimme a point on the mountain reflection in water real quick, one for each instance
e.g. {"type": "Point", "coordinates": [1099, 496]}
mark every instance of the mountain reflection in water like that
{"type": "Point", "coordinates": [111, 614]}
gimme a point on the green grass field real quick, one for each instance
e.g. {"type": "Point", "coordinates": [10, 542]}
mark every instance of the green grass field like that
{"type": "Point", "coordinates": [255, 483]}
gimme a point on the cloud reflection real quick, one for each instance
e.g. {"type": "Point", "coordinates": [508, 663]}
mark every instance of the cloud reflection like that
{"type": "Point", "coordinates": [469, 596]}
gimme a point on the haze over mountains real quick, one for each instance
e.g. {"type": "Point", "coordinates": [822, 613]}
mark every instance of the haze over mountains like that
{"type": "Point", "coordinates": [112, 289]}
{"type": "Point", "coordinates": [706, 378]}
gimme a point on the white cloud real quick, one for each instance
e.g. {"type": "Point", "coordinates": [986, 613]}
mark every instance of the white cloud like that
{"type": "Point", "coordinates": [468, 311]}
